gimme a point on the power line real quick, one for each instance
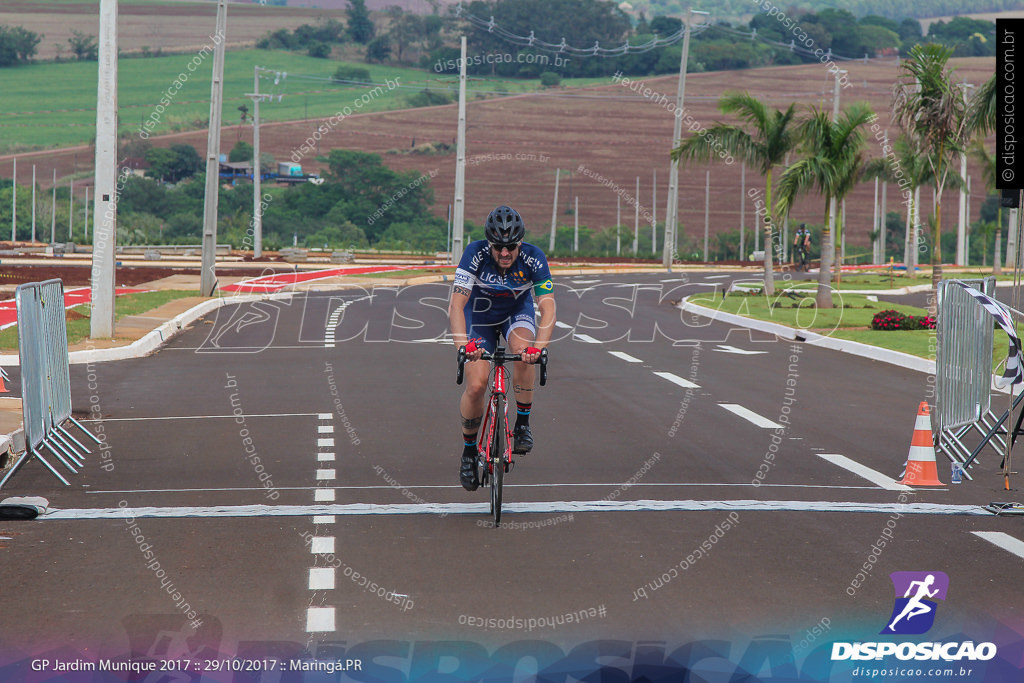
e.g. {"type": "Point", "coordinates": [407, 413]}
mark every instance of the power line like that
{"type": "Point", "coordinates": [562, 47]}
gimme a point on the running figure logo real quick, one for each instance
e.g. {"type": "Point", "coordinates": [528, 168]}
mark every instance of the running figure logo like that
{"type": "Point", "coordinates": [914, 610]}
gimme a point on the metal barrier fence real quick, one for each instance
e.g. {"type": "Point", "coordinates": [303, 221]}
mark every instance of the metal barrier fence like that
{"type": "Point", "coordinates": [963, 369]}
{"type": "Point", "coordinates": [46, 379]}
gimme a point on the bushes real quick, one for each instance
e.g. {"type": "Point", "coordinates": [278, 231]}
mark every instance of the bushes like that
{"type": "Point", "coordinates": [894, 320]}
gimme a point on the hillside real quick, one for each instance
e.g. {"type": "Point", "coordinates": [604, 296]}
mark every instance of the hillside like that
{"type": "Point", "coordinates": [601, 132]}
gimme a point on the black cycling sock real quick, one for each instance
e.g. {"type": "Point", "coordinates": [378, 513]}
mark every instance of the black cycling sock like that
{"type": "Point", "coordinates": [523, 413]}
{"type": "Point", "coordinates": [469, 445]}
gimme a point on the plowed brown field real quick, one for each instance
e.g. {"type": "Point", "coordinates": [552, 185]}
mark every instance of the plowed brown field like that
{"type": "Point", "coordinates": [605, 131]}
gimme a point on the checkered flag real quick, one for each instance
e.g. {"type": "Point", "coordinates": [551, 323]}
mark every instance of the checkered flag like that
{"type": "Point", "coordinates": [1013, 371]}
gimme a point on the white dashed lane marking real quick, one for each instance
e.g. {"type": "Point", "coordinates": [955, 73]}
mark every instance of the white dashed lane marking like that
{"type": "Point", "coordinates": [1003, 540]}
{"type": "Point", "coordinates": [750, 416]}
{"type": "Point", "coordinates": [676, 379]}
{"type": "Point", "coordinates": [874, 476]}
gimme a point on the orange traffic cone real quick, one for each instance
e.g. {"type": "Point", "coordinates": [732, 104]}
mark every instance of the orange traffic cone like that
{"type": "Point", "coordinates": [3, 387]}
{"type": "Point", "coordinates": [920, 468]}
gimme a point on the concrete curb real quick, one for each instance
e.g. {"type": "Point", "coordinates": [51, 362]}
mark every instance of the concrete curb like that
{"type": "Point", "coordinates": [155, 338]}
{"type": "Point", "coordinates": [905, 360]}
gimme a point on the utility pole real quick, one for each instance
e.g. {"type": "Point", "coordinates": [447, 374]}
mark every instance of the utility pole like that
{"type": "Point", "coordinates": [104, 244]}
{"type": "Point", "coordinates": [257, 171]}
{"type": "Point", "coordinates": [458, 239]}
{"type": "Point", "coordinates": [672, 213]}
{"type": "Point", "coordinates": [208, 274]}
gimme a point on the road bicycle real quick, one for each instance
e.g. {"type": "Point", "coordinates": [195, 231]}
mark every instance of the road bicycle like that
{"type": "Point", "coordinates": [802, 260]}
{"type": "Point", "coordinates": [494, 442]}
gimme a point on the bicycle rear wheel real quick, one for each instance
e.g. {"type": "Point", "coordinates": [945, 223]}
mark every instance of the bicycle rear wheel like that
{"type": "Point", "coordinates": [498, 458]}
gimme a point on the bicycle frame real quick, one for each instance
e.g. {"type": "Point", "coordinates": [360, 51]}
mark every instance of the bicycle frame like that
{"type": "Point", "coordinates": [499, 387]}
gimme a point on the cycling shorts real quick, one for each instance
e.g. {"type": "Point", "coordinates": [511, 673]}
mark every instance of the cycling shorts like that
{"type": "Point", "coordinates": [486, 325]}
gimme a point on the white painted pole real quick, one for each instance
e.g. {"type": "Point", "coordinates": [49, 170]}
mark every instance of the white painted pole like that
{"type": "Point", "coordinates": [458, 224]}
{"type": "Point", "coordinates": [874, 227]}
{"type": "Point", "coordinates": [636, 218]}
{"type": "Point", "coordinates": [654, 216]}
{"type": "Point", "coordinates": [104, 246]}
{"type": "Point", "coordinates": [576, 228]}
{"type": "Point", "coordinates": [707, 212]}
{"type": "Point", "coordinates": [33, 203]}
{"type": "Point", "coordinates": [53, 209]}
{"type": "Point", "coordinates": [961, 228]}
{"type": "Point", "coordinates": [554, 211]}
{"type": "Point", "coordinates": [743, 218]}
{"type": "Point", "coordinates": [208, 272]}
{"type": "Point", "coordinates": [14, 202]}
{"type": "Point", "coordinates": [618, 224]}
{"type": "Point", "coordinates": [86, 213]}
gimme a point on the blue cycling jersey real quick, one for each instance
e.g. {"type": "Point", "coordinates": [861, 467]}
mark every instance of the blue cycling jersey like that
{"type": "Point", "coordinates": [504, 293]}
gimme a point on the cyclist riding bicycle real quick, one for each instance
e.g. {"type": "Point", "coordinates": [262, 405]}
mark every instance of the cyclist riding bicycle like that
{"type": "Point", "coordinates": [492, 294]}
{"type": "Point", "coordinates": [802, 245]}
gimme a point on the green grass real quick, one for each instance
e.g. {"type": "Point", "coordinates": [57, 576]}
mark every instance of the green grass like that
{"type": "Point", "coordinates": [851, 314]}
{"type": "Point", "coordinates": [846, 322]}
{"type": "Point", "coordinates": [78, 317]}
{"type": "Point", "coordinates": [48, 105]}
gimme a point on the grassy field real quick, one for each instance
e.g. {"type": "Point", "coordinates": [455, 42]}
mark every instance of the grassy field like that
{"type": "Point", "coordinates": [54, 104]}
{"type": "Point", "coordinates": [78, 317]}
{"type": "Point", "coordinates": [850, 319]}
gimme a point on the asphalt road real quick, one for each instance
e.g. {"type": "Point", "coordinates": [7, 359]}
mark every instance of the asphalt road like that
{"type": "Point", "coordinates": [281, 484]}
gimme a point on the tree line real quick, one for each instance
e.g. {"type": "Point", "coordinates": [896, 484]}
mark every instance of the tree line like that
{"type": "Point", "coordinates": [431, 41]}
{"type": "Point", "coordinates": [936, 120]}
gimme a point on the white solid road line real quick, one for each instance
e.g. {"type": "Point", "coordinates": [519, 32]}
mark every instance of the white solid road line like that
{"type": "Point", "coordinates": [750, 416]}
{"type": "Point", "coordinates": [1005, 541]}
{"type": "Point", "coordinates": [625, 356]}
{"type": "Point", "coordinates": [200, 417]}
{"type": "Point", "coordinates": [871, 475]}
{"type": "Point", "coordinates": [456, 487]}
{"type": "Point", "coordinates": [676, 379]}
{"type": "Point", "coordinates": [322, 545]}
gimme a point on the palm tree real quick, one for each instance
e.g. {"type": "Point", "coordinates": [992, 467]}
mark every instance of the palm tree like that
{"type": "Point", "coordinates": [931, 109]}
{"type": "Point", "coordinates": [981, 116]}
{"type": "Point", "coordinates": [905, 167]}
{"type": "Point", "coordinates": [987, 162]}
{"type": "Point", "coordinates": [762, 141]}
{"type": "Point", "coordinates": [833, 159]}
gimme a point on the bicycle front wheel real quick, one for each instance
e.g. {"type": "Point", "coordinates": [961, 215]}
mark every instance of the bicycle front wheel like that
{"type": "Point", "coordinates": [499, 457]}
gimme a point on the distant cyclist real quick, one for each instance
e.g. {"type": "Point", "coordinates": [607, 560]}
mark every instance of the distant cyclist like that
{"type": "Point", "coordinates": [492, 295]}
{"type": "Point", "coordinates": [802, 247]}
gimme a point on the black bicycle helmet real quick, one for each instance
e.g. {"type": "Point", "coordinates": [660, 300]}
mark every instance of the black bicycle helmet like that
{"type": "Point", "coordinates": [504, 226]}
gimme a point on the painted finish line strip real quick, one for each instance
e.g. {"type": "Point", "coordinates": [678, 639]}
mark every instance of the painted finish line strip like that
{"type": "Point", "coordinates": [538, 507]}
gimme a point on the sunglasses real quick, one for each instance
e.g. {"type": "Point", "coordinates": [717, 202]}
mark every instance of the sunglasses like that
{"type": "Point", "coordinates": [508, 247]}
